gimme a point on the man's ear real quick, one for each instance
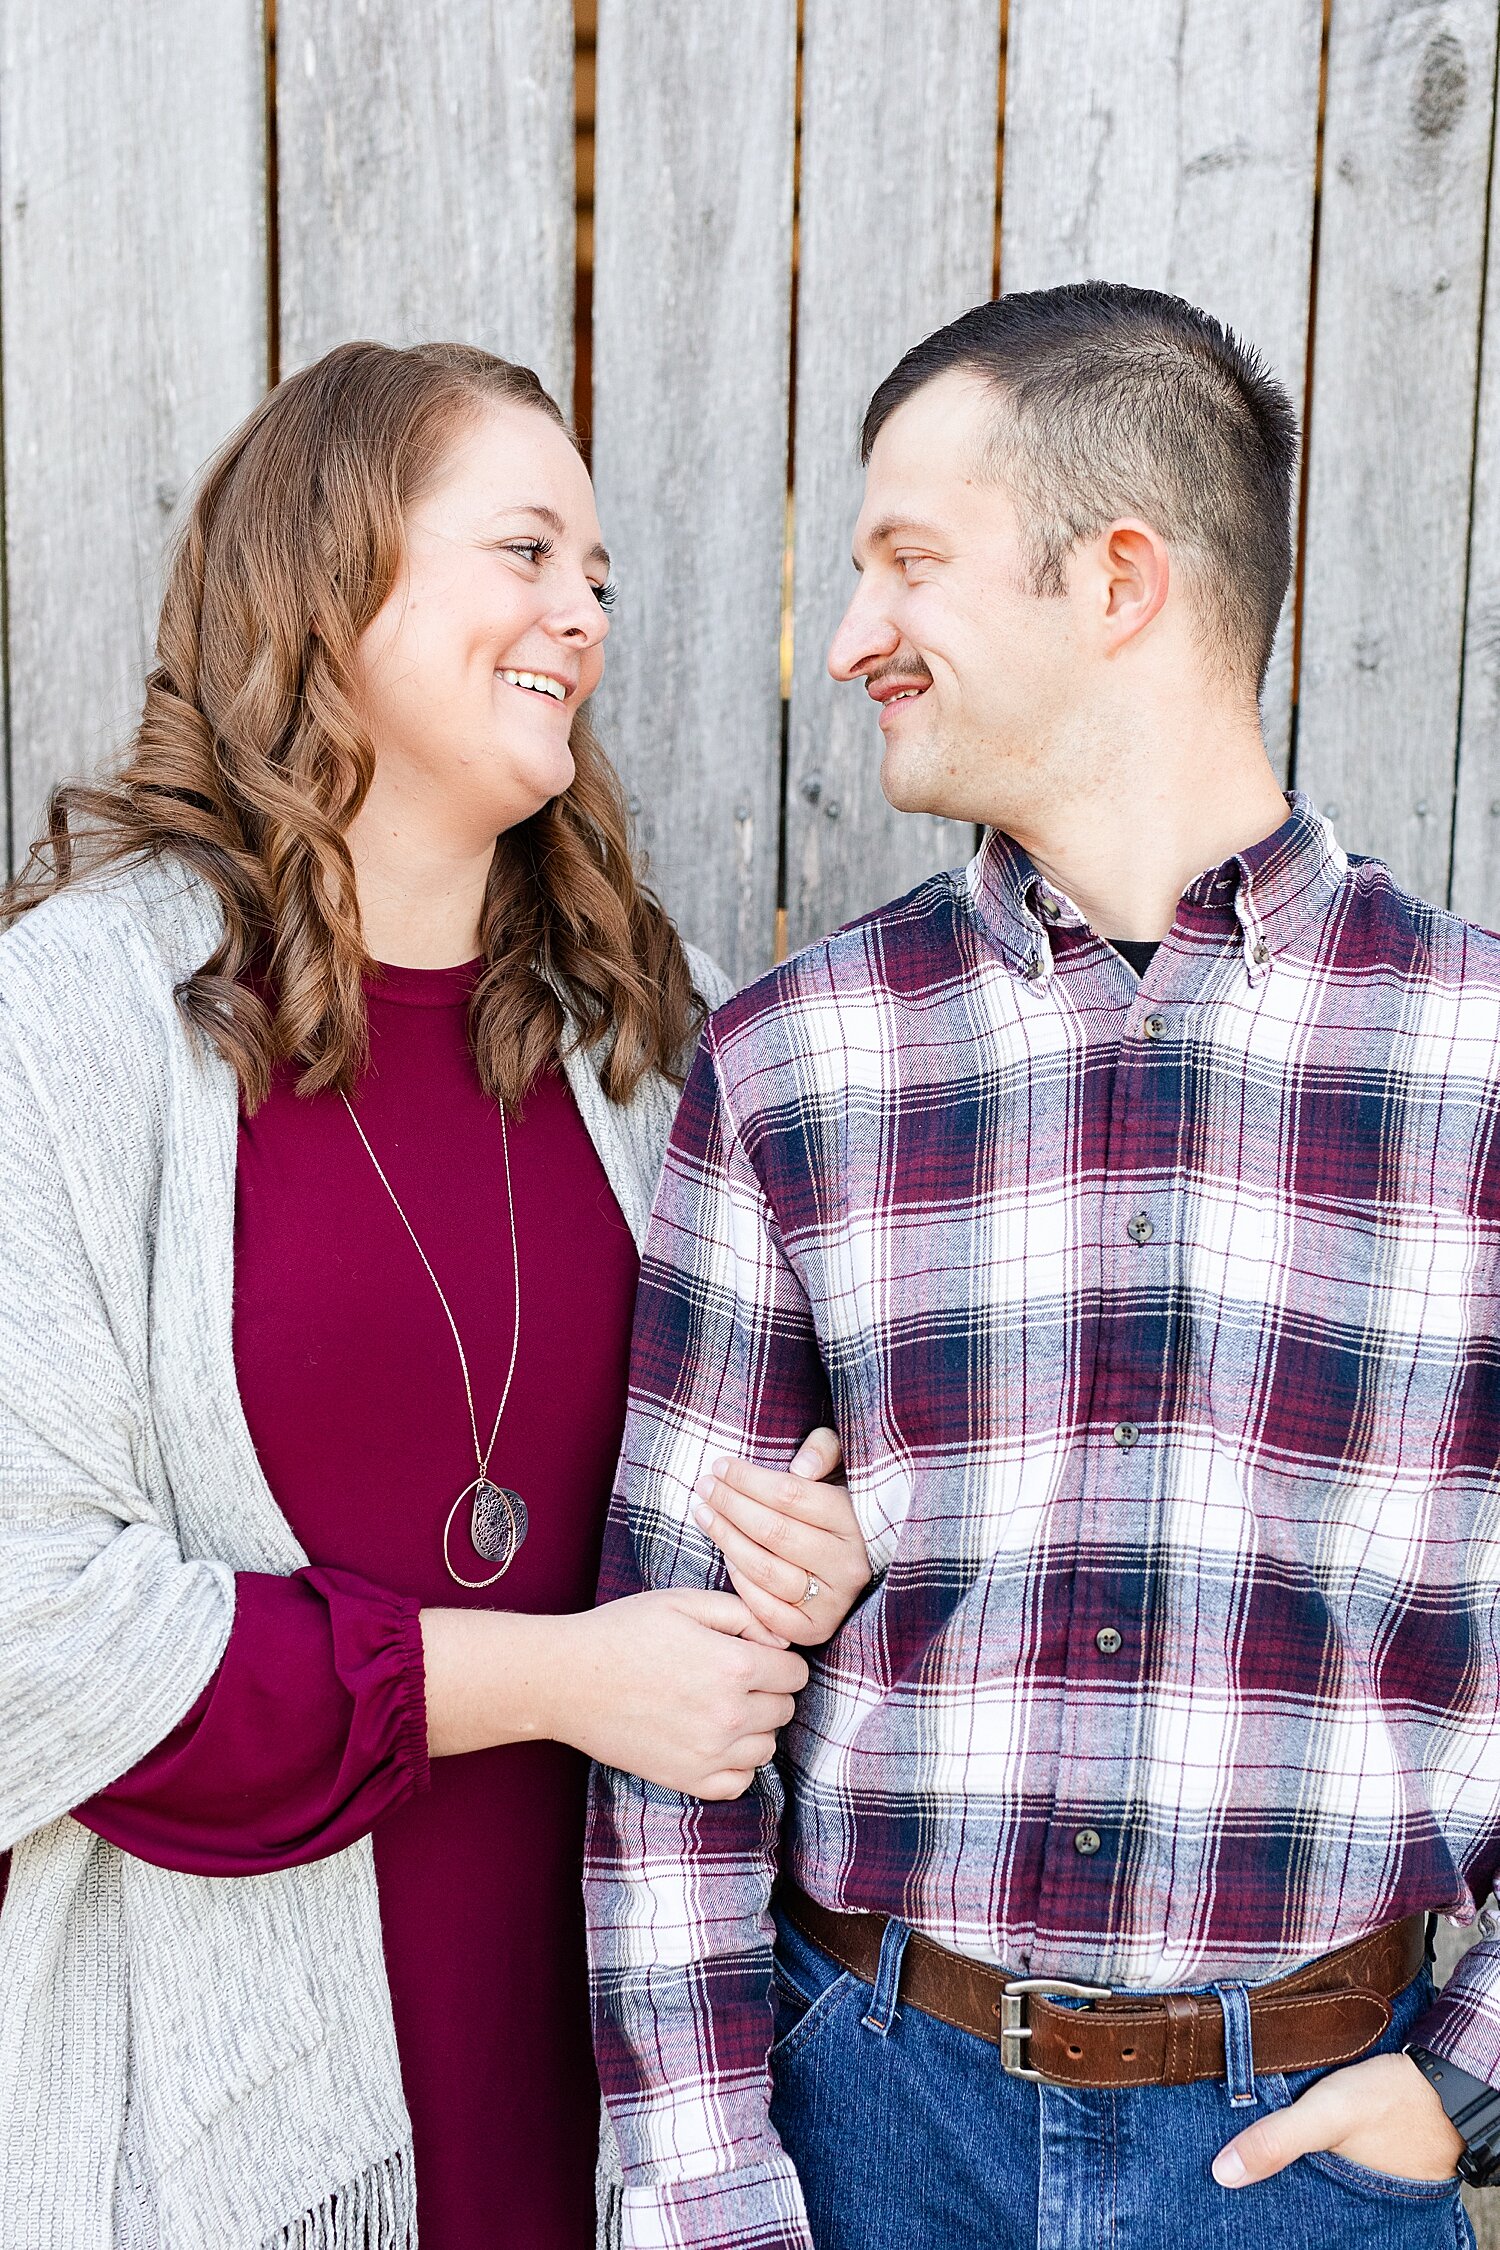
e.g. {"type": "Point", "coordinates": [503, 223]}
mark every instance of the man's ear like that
{"type": "Point", "coordinates": [1135, 576]}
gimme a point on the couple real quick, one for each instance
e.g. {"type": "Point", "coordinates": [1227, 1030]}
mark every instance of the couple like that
{"type": "Point", "coordinates": [1126, 1201]}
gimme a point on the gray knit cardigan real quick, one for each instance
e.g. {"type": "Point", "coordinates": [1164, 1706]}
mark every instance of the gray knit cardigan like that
{"type": "Point", "coordinates": [186, 2062]}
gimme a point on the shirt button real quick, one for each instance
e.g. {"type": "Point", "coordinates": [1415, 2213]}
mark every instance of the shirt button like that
{"type": "Point", "coordinates": [1087, 1842]}
{"type": "Point", "coordinates": [1260, 952]}
{"type": "Point", "coordinates": [1140, 1228]}
{"type": "Point", "coordinates": [1155, 1027]}
{"type": "Point", "coordinates": [1107, 1641]}
{"type": "Point", "coordinates": [1126, 1434]}
{"type": "Point", "coordinates": [1051, 909]}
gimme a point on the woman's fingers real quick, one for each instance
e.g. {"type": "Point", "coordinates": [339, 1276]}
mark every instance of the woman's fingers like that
{"type": "Point", "coordinates": [749, 1558]}
{"type": "Point", "coordinates": [806, 1624]}
{"type": "Point", "coordinates": [825, 1505]}
{"type": "Point", "coordinates": [802, 1547]}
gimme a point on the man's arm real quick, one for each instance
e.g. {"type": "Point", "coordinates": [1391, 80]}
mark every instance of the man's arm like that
{"type": "Point", "coordinates": [724, 1361]}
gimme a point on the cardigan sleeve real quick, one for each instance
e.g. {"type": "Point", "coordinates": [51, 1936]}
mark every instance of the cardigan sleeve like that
{"type": "Point", "coordinates": [313, 1726]}
{"type": "Point", "coordinates": [108, 1632]}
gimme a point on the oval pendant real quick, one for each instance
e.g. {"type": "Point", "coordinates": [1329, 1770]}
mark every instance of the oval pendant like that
{"type": "Point", "coordinates": [497, 1526]}
{"type": "Point", "coordinates": [497, 1522]}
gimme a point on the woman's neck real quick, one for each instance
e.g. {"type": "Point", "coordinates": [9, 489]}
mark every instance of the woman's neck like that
{"type": "Point", "coordinates": [420, 904]}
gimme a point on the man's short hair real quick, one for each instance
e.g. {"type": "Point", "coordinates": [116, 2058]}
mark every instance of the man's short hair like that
{"type": "Point", "coordinates": [1116, 401]}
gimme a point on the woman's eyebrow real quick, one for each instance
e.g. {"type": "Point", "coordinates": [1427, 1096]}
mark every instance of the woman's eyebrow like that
{"type": "Point", "coordinates": [555, 524]}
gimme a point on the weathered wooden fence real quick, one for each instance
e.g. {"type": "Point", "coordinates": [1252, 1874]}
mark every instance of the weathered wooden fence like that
{"type": "Point", "coordinates": [775, 200]}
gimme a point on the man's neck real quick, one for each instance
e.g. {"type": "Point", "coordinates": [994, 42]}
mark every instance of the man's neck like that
{"type": "Point", "coordinates": [1125, 852]}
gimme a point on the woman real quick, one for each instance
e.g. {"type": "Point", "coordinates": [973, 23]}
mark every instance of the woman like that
{"type": "Point", "coordinates": [336, 1063]}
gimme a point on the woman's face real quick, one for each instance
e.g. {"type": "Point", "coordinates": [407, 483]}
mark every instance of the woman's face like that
{"type": "Point", "coordinates": [490, 639]}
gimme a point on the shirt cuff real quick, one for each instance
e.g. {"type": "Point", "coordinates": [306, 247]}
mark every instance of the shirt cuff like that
{"type": "Point", "coordinates": [754, 2207]}
{"type": "Point", "coordinates": [1463, 2023]}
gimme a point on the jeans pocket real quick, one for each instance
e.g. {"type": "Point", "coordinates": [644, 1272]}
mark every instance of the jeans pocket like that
{"type": "Point", "coordinates": [798, 2019]}
{"type": "Point", "coordinates": [806, 1988]}
{"type": "Point", "coordinates": [1278, 2091]}
{"type": "Point", "coordinates": [1386, 2187]}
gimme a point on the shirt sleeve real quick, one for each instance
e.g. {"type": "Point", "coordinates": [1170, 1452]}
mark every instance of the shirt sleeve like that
{"type": "Point", "coordinates": [724, 1360]}
{"type": "Point", "coordinates": [313, 1726]}
{"type": "Point", "coordinates": [1463, 2023]}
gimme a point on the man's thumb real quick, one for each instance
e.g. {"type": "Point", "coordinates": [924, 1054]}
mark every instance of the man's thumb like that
{"type": "Point", "coordinates": [1267, 2146]}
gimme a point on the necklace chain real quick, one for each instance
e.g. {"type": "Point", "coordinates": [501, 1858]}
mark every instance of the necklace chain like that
{"type": "Point", "coordinates": [483, 1459]}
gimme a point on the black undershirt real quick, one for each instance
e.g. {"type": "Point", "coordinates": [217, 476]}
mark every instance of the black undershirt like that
{"type": "Point", "coordinates": [1137, 951]}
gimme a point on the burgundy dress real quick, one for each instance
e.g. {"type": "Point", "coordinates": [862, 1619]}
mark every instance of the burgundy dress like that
{"type": "Point", "coordinates": [313, 1732]}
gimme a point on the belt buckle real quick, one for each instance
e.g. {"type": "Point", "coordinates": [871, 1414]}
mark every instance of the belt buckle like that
{"type": "Point", "coordinates": [1013, 2025]}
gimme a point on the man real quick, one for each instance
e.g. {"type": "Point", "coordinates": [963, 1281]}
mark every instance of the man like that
{"type": "Point", "coordinates": [1134, 1197]}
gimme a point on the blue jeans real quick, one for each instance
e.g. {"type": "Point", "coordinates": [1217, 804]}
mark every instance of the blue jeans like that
{"type": "Point", "coordinates": [913, 2138]}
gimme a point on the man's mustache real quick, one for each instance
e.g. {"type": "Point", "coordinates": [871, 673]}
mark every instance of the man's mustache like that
{"type": "Point", "coordinates": [899, 668]}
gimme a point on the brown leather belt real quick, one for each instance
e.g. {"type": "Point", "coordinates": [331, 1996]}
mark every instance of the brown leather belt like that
{"type": "Point", "coordinates": [1329, 2012]}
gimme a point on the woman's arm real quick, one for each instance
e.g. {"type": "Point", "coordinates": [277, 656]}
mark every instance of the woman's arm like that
{"type": "Point", "coordinates": [680, 1687]}
{"type": "Point", "coordinates": [333, 1693]}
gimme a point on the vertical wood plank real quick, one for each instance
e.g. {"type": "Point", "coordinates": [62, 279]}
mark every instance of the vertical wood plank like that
{"type": "Point", "coordinates": [692, 288]}
{"type": "Point", "coordinates": [897, 236]}
{"type": "Point", "coordinates": [1476, 830]}
{"type": "Point", "coordinates": [1172, 144]}
{"type": "Point", "coordinates": [426, 178]}
{"type": "Point", "coordinates": [132, 270]}
{"type": "Point", "coordinates": [1406, 163]}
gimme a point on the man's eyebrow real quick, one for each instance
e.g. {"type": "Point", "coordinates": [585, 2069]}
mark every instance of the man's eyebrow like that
{"type": "Point", "coordinates": [886, 529]}
{"type": "Point", "coordinates": [555, 524]}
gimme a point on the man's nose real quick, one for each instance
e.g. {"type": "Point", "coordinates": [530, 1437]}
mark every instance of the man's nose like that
{"type": "Point", "coordinates": [864, 637]}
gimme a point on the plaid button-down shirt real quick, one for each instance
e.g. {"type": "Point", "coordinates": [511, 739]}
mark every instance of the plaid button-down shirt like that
{"type": "Point", "coordinates": [1162, 1309]}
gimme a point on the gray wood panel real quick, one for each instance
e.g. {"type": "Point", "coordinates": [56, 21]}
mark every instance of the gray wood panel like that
{"type": "Point", "coordinates": [426, 178]}
{"type": "Point", "coordinates": [132, 270]}
{"type": "Point", "coordinates": [1476, 829]}
{"type": "Point", "coordinates": [692, 282]}
{"type": "Point", "coordinates": [897, 236]}
{"type": "Point", "coordinates": [1172, 144]}
{"type": "Point", "coordinates": [1406, 163]}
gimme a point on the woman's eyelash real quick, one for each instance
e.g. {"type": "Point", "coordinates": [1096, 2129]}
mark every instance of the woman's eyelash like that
{"type": "Point", "coordinates": [537, 550]}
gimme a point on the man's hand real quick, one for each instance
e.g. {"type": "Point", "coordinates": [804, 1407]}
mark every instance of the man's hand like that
{"type": "Point", "coordinates": [1381, 2113]}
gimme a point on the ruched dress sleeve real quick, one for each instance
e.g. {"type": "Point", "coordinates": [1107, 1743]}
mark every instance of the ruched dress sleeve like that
{"type": "Point", "coordinates": [314, 1726]}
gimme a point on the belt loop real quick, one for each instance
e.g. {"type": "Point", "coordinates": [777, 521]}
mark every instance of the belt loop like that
{"type": "Point", "coordinates": [883, 2011]}
{"type": "Point", "coordinates": [1239, 2056]}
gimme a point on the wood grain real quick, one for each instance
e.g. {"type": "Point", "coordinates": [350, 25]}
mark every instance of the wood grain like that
{"type": "Point", "coordinates": [426, 178]}
{"type": "Point", "coordinates": [1476, 827]}
{"type": "Point", "coordinates": [692, 287]}
{"type": "Point", "coordinates": [1172, 144]}
{"type": "Point", "coordinates": [1406, 164]}
{"type": "Point", "coordinates": [897, 236]}
{"type": "Point", "coordinates": [132, 268]}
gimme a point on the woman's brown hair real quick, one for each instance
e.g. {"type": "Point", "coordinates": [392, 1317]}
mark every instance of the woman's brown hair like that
{"type": "Point", "coordinates": [249, 762]}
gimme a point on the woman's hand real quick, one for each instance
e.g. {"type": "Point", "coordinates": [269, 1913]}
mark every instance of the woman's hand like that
{"type": "Point", "coordinates": [781, 1531]}
{"type": "Point", "coordinates": [1381, 2113]}
{"type": "Point", "coordinates": [680, 1687]}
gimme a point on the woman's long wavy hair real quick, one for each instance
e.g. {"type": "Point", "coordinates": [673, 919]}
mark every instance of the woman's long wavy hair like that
{"type": "Point", "coordinates": [249, 761]}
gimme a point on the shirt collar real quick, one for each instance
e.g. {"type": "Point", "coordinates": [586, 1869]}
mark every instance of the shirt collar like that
{"type": "Point", "coordinates": [1270, 891]}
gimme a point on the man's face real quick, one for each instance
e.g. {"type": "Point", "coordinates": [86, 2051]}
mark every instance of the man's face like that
{"type": "Point", "coordinates": [974, 673]}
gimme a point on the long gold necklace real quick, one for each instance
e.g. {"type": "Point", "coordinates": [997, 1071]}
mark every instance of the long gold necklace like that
{"type": "Point", "coordinates": [497, 1516]}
